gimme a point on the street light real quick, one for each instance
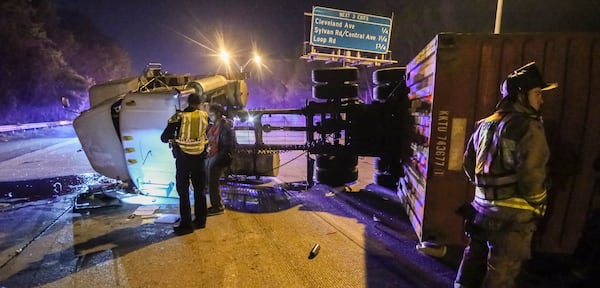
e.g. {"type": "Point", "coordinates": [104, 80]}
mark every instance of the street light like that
{"type": "Point", "coordinates": [224, 56]}
{"type": "Point", "coordinates": [256, 59]}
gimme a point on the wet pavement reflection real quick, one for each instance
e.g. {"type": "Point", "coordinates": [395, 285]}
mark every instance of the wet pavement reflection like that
{"type": "Point", "coordinates": [40, 189]}
{"type": "Point", "coordinates": [257, 199]}
{"type": "Point", "coordinates": [94, 191]}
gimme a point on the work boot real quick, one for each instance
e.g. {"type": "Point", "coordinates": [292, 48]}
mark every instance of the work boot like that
{"type": "Point", "coordinates": [183, 229]}
{"type": "Point", "coordinates": [199, 224]}
{"type": "Point", "coordinates": [215, 211]}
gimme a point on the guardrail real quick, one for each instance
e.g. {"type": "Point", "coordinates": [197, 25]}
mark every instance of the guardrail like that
{"type": "Point", "coordinates": [31, 126]}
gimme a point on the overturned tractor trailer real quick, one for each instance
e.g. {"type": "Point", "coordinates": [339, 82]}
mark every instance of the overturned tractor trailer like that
{"type": "Point", "coordinates": [120, 132]}
{"type": "Point", "coordinates": [454, 81]}
{"type": "Point", "coordinates": [416, 127]}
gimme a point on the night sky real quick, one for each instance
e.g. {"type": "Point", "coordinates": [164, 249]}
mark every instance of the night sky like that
{"type": "Point", "coordinates": [156, 30]}
{"type": "Point", "coordinates": [152, 30]}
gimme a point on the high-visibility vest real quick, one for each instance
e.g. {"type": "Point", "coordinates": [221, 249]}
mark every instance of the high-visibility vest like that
{"type": "Point", "coordinates": [191, 137]}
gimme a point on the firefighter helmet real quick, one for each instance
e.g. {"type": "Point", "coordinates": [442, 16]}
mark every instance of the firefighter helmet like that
{"type": "Point", "coordinates": [523, 80]}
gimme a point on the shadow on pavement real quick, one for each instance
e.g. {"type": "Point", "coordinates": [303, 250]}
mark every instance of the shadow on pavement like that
{"type": "Point", "coordinates": [90, 247]}
{"type": "Point", "coordinates": [391, 257]}
{"type": "Point", "coordinates": [387, 229]}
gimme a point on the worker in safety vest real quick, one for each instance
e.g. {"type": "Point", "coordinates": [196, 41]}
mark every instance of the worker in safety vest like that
{"type": "Point", "coordinates": [186, 132]}
{"type": "Point", "coordinates": [506, 159]}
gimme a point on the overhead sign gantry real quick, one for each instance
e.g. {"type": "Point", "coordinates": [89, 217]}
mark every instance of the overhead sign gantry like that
{"type": "Point", "coordinates": [349, 37]}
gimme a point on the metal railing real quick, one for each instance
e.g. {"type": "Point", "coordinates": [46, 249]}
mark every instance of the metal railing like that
{"type": "Point", "coordinates": [32, 126]}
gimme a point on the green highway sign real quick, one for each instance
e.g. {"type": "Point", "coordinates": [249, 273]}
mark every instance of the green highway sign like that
{"type": "Point", "coordinates": [347, 30]}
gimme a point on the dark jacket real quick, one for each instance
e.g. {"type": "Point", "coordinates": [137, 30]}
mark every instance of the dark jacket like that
{"type": "Point", "coordinates": [221, 140]}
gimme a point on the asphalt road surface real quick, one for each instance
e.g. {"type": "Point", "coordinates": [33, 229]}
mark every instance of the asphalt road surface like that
{"type": "Point", "coordinates": [263, 239]}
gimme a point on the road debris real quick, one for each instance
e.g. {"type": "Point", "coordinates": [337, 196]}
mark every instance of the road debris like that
{"type": "Point", "coordinates": [314, 251]}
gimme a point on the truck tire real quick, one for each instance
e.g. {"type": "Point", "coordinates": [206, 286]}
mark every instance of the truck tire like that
{"type": "Point", "coordinates": [389, 75]}
{"type": "Point", "coordinates": [337, 75]}
{"type": "Point", "coordinates": [337, 91]}
{"type": "Point", "coordinates": [388, 165]}
{"type": "Point", "coordinates": [386, 180]}
{"type": "Point", "coordinates": [381, 164]}
{"type": "Point", "coordinates": [336, 177]}
{"type": "Point", "coordinates": [336, 161]}
{"type": "Point", "coordinates": [382, 92]}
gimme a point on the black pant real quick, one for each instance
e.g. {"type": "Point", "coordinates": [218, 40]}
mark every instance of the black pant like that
{"type": "Point", "coordinates": [190, 166]}
{"type": "Point", "coordinates": [214, 170]}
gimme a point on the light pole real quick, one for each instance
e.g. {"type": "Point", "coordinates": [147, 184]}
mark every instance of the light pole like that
{"type": "Point", "coordinates": [225, 57]}
{"type": "Point", "coordinates": [256, 59]}
{"type": "Point", "coordinates": [498, 16]}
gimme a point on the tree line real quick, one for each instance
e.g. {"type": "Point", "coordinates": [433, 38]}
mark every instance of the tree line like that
{"type": "Point", "coordinates": [48, 54]}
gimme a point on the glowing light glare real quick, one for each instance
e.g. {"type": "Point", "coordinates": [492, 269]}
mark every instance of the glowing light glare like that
{"type": "Point", "coordinates": [147, 200]}
{"type": "Point", "coordinates": [257, 59]}
{"type": "Point", "coordinates": [251, 118]}
{"type": "Point", "coordinates": [224, 56]}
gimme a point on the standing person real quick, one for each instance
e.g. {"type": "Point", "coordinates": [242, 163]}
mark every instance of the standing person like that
{"type": "Point", "coordinates": [220, 145]}
{"type": "Point", "coordinates": [186, 131]}
{"type": "Point", "coordinates": [506, 159]}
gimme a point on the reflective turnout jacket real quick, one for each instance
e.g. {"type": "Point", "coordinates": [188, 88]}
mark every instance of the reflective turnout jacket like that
{"type": "Point", "coordinates": [187, 130]}
{"type": "Point", "coordinates": [506, 158]}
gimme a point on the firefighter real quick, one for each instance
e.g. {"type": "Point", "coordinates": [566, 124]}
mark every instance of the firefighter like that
{"type": "Point", "coordinates": [186, 132]}
{"type": "Point", "coordinates": [506, 159]}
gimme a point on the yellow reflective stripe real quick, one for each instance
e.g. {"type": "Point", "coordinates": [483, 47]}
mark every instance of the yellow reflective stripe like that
{"type": "Point", "coordinates": [184, 132]}
{"type": "Point", "coordinates": [514, 202]}
{"type": "Point", "coordinates": [537, 198]}
{"type": "Point", "coordinates": [192, 148]}
{"type": "Point", "coordinates": [191, 126]}
{"type": "Point", "coordinates": [195, 126]}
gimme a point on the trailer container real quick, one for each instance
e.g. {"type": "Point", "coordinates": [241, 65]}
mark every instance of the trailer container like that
{"type": "Point", "coordinates": [454, 81]}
